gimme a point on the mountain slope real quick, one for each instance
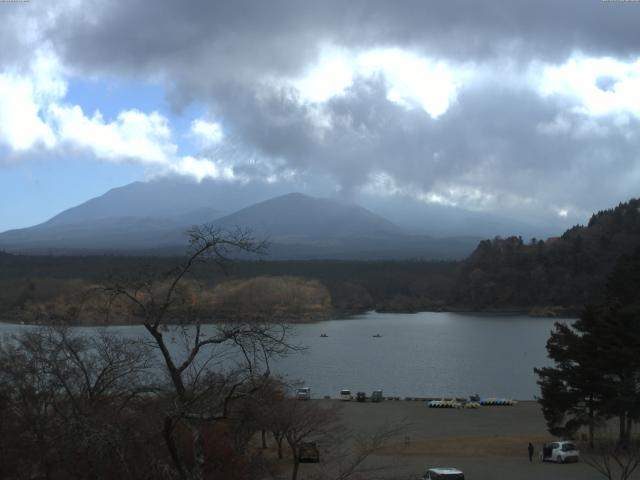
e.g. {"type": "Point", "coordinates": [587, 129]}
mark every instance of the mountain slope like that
{"type": "Point", "coordinates": [567, 271]}
{"type": "Point", "coordinates": [167, 198]}
{"type": "Point", "coordinates": [298, 215]}
{"type": "Point", "coordinates": [299, 226]}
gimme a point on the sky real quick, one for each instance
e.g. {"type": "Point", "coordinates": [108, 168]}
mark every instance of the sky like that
{"type": "Point", "coordinates": [528, 109]}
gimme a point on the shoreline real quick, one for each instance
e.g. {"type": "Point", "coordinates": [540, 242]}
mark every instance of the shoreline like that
{"type": "Point", "coordinates": [339, 315]}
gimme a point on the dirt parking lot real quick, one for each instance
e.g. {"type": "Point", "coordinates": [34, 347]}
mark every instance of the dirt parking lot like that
{"type": "Point", "coordinates": [487, 443]}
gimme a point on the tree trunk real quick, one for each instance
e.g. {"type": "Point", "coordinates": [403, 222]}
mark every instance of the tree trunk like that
{"type": "Point", "coordinates": [279, 441]}
{"type": "Point", "coordinates": [167, 433]}
{"type": "Point", "coordinates": [263, 434]}
{"type": "Point", "coordinates": [622, 436]}
{"type": "Point", "coordinates": [296, 464]}
{"type": "Point", "coordinates": [591, 422]}
{"type": "Point", "coordinates": [198, 452]}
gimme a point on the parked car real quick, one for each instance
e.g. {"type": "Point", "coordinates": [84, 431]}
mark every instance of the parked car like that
{"type": "Point", "coordinates": [304, 393]}
{"type": "Point", "coordinates": [560, 452]}
{"type": "Point", "coordinates": [345, 395]}
{"type": "Point", "coordinates": [361, 397]}
{"type": "Point", "coordinates": [308, 453]}
{"type": "Point", "coordinates": [377, 396]}
{"type": "Point", "coordinates": [443, 473]}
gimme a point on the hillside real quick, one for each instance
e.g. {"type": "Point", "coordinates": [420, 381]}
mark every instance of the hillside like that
{"type": "Point", "coordinates": [559, 274]}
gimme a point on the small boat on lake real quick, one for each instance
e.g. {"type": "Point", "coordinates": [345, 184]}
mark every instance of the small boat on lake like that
{"type": "Point", "coordinates": [324, 335]}
{"type": "Point", "coordinates": [377, 335]}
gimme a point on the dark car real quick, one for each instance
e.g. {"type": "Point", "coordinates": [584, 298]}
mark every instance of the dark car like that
{"type": "Point", "coordinates": [308, 453]}
{"type": "Point", "coordinates": [361, 397]}
{"type": "Point", "coordinates": [377, 396]}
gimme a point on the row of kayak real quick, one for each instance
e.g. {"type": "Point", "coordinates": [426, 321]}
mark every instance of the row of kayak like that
{"type": "Point", "coordinates": [484, 401]}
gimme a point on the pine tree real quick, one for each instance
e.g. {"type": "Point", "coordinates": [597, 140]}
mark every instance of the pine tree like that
{"type": "Point", "coordinates": [597, 361]}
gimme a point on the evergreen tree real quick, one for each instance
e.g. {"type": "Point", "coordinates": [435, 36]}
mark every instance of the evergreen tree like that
{"type": "Point", "coordinates": [597, 361]}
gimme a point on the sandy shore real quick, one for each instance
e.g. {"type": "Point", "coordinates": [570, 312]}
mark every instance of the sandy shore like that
{"type": "Point", "coordinates": [486, 443]}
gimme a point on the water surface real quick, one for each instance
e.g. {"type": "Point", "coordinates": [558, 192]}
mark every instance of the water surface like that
{"type": "Point", "coordinates": [423, 354]}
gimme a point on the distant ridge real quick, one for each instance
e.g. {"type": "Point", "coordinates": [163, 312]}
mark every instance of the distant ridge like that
{"type": "Point", "coordinates": [297, 226]}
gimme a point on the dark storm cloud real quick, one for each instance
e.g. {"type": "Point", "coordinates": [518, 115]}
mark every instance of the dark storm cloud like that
{"type": "Point", "coordinates": [242, 38]}
{"type": "Point", "coordinates": [500, 141]}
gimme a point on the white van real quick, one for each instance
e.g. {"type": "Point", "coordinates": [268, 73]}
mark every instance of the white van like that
{"type": "Point", "coordinates": [345, 395]}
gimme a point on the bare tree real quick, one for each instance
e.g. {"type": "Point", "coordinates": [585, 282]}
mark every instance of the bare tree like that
{"type": "Point", "coordinates": [70, 400]}
{"type": "Point", "coordinates": [611, 459]}
{"type": "Point", "coordinates": [351, 451]}
{"type": "Point", "coordinates": [302, 422]}
{"type": "Point", "coordinates": [201, 382]}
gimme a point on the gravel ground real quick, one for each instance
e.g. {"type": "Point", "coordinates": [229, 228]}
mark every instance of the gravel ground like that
{"type": "Point", "coordinates": [487, 443]}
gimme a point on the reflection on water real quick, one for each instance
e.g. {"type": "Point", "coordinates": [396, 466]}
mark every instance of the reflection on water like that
{"type": "Point", "coordinates": [423, 354]}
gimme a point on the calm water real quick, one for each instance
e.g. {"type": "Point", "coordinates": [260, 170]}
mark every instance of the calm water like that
{"type": "Point", "coordinates": [423, 354]}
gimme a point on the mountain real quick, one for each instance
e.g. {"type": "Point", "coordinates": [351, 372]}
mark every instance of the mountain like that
{"type": "Point", "coordinates": [136, 216]}
{"type": "Point", "coordinates": [168, 197]}
{"type": "Point", "coordinates": [300, 216]}
{"type": "Point", "coordinates": [297, 226]}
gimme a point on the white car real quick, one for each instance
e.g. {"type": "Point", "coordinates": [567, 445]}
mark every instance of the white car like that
{"type": "Point", "coordinates": [560, 452]}
{"type": "Point", "coordinates": [345, 395]}
{"type": "Point", "coordinates": [443, 473]}
{"type": "Point", "coordinates": [304, 393]}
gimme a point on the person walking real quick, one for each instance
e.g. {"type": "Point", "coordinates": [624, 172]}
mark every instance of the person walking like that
{"type": "Point", "coordinates": [530, 450]}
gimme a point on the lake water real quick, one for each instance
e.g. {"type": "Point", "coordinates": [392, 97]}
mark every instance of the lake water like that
{"type": "Point", "coordinates": [425, 354]}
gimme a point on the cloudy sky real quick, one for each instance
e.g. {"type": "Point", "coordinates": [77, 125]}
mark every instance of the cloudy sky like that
{"type": "Point", "coordinates": [528, 108]}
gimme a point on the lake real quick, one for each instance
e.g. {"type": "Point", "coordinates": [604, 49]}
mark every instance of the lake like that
{"type": "Point", "coordinates": [428, 354]}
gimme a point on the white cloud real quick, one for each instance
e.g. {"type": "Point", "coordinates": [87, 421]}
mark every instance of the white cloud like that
{"type": "Point", "coordinates": [597, 85]}
{"type": "Point", "coordinates": [21, 127]}
{"type": "Point", "coordinates": [33, 115]}
{"type": "Point", "coordinates": [206, 133]}
{"type": "Point", "coordinates": [201, 168]}
{"type": "Point", "coordinates": [24, 96]}
{"type": "Point", "coordinates": [134, 135]}
{"type": "Point", "coordinates": [329, 77]}
{"type": "Point", "coordinates": [413, 81]}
